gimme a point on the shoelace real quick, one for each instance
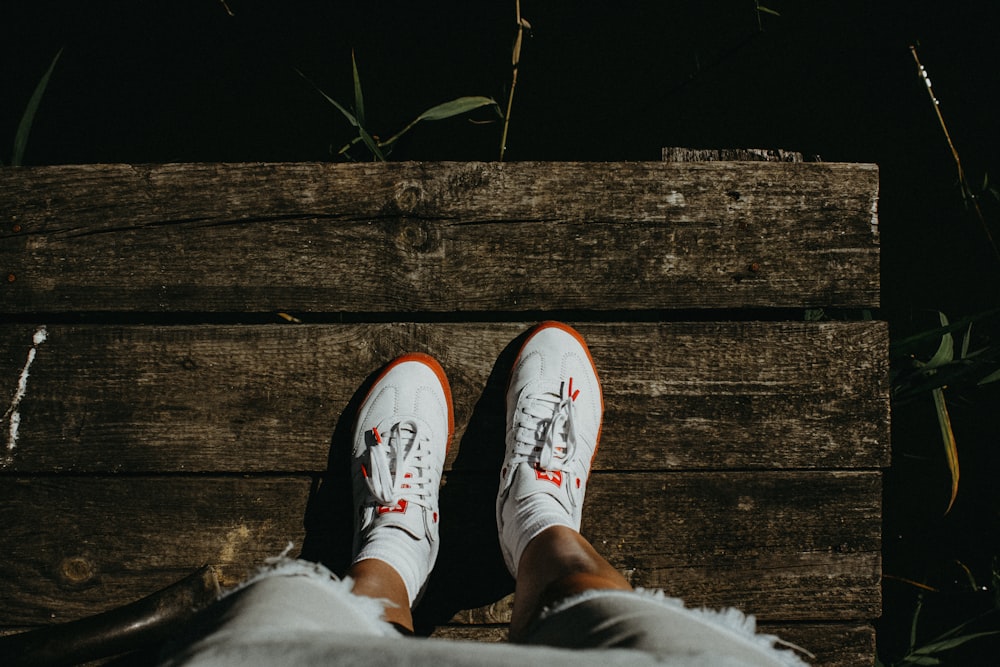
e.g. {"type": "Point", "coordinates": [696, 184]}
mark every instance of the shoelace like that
{"type": "Point", "coordinates": [398, 467]}
{"type": "Point", "coordinates": [547, 418]}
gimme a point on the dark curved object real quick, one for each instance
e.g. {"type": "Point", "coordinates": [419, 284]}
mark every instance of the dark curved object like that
{"type": "Point", "coordinates": [128, 628]}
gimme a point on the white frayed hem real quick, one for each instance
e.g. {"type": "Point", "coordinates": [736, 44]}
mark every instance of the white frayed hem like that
{"type": "Point", "coordinates": [730, 620]}
{"type": "Point", "coordinates": [342, 588]}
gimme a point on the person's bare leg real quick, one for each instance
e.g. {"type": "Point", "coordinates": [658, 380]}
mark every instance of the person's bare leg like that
{"type": "Point", "coordinates": [555, 565]}
{"type": "Point", "coordinates": [377, 579]}
{"type": "Point", "coordinates": [401, 437]}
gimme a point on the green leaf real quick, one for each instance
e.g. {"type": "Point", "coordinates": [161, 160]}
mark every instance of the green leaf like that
{"type": "Point", "coordinates": [946, 349]}
{"type": "Point", "coordinates": [948, 644]}
{"type": "Point", "coordinates": [911, 344]}
{"type": "Point", "coordinates": [347, 114]}
{"type": "Point", "coordinates": [28, 118]}
{"type": "Point", "coordinates": [767, 10]}
{"type": "Point", "coordinates": [359, 99]}
{"type": "Point", "coordinates": [920, 660]}
{"type": "Point", "coordinates": [446, 110]}
{"type": "Point", "coordinates": [965, 342]}
{"type": "Point", "coordinates": [913, 622]}
{"type": "Point", "coordinates": [815, 314]}
{"type": "Point", "coordinates": [992, 377]}
{"type": "Point", "coordinates": [456, 107]}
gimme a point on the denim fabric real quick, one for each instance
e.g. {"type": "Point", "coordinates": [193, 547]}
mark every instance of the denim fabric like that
{"type": "Point", "coordinates": [297, 613]}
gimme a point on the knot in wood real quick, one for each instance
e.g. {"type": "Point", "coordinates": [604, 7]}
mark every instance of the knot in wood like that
{"type": "Point", "coordinates": [76, 570]}
{"type": "Point", "coordinates": [408, 196]}
{"type": "Point", "coordinates": [416, 236]}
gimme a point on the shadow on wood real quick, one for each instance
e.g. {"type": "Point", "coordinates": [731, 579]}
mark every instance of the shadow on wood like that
{"type": "Point", "coordinates": [470, 572]}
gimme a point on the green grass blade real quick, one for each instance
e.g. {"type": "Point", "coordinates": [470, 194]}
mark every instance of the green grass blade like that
{"type": "Point", "coordinates": [371, 144]}
{"type": "Point", "coordinates": [347, 114]}
{"type": "Point", "coordinates": [946, 349]}
{"type": "Point", "coordinates": [767, 10]}
{"type": "Point", "coordinates": [359, 98]}
{"type": "Point", "coordinates": [911, 344]}
{"type": "Point", "coordinates": [28, 118]}
{"type": "Point", "coordinates": [992, 377]}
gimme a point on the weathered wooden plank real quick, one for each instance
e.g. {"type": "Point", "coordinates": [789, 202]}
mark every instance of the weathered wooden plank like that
{"type": "Point", "coordinates": [701, 395]}
{"type": "Point", "coordinates": [782, 545]}
{"type": "Point", "coordinates": [832, 644]}
{"type": "Point", "coordinates": [755, 540]}
{"type": "Point", "coordinates": [438, 237]}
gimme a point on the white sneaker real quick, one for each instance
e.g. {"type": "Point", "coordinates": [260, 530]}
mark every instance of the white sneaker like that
{"type": "Point", "coordinates": [401, 438]}
{"type": "Point", "coordinates": [554, 410]}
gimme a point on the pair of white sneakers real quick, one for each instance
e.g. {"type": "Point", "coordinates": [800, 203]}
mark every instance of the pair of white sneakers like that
{"type": "Point", "coordinates": [401, 438]}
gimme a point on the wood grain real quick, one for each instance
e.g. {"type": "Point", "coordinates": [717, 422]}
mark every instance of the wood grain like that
{"type": "Point", "coordinates": [699, 395]}
{"type": "Point", "coordinates": [438, 238]}
{"type": "Point", "coordinates": [766, 542]}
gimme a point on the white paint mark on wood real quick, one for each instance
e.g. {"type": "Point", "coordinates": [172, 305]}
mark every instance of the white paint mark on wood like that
{"type": "Point", "coordinates": [874, 212]}
{"type": "Point", "coordinates": [12, 417]}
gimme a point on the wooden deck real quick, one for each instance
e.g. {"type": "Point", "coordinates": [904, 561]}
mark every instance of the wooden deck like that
{"type": "Point", "coordinates": [164, 410]}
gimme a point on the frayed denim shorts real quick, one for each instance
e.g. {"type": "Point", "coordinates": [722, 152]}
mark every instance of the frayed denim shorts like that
{"type": "Point", "coordinates": [294, 612]}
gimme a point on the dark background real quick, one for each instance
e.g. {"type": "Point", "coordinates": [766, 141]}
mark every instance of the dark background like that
{"type": "Point", "coordinates": [182, 80]}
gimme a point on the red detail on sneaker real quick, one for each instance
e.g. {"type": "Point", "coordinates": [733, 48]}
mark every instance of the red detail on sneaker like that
{"type": "Point", "coordinates": [408, 475]}
{"type": "Point", "coordinates": [578, 482]}
{"type": "Point", "coordinates": [378, 437]}
{"type": "Point", "coordinates": [364, 471]}
{"type": "Point", "coordinates": [554, 476]}
{"type": "Point", "coordinates": [400, 507]}
{"type": "Point", "coordinates": [435, 517]}
{"type": "Point", "coordinates": [569, 392]}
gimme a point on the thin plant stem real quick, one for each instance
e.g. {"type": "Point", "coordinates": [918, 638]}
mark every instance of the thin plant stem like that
{"type": "Point", "coordinates": [515, 61]}
{"type": "Point", "coordinates": [962, 180]}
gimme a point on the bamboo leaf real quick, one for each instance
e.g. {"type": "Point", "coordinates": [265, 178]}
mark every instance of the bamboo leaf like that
{"type": "Point", "coordinates": [28, 117]}
{"type": "Point", "coordinates": [767, 10]}
{"type": "Point", "coordinates": [948, 438]}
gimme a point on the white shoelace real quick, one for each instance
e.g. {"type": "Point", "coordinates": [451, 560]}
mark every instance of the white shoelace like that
{"type": "Point", "coordinates": [399, 470]}
{"type": "Point", "coordinates": [545, 430]}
